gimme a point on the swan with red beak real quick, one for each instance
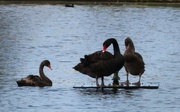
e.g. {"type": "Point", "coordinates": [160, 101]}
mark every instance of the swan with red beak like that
{"type": "Point", "coordinates": [101, 63]}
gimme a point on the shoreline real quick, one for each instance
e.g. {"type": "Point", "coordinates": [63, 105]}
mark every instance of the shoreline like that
{"type": "Point", "coordinates": [173, 3]}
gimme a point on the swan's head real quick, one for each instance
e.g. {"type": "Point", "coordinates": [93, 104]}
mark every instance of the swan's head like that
{"type": "Point", "coordinates": [129, 45]}
{"type": "Point", "coordinates": [107, 43]}
{"type": "Point", "coordinates": [127, 42]}
{"type": "Point", "coordinates": [47, 64]}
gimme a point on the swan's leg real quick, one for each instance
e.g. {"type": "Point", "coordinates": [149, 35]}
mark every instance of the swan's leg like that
{"type": "Point", "coordinates": [127, 73]}
{"type": "Point", "coordinates": [139, 82]}
{"type": "Point", "coordinates": [97, 84]}
{"type": "Point", "coordinates": [102, 81]}
{"type": "Point", "coordinates": [127, 80]}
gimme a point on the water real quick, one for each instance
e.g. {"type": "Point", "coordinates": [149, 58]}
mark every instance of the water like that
{"type": "Point", "coordinates": [32, 33]}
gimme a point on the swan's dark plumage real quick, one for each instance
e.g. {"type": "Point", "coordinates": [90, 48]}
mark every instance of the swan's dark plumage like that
{"type": "Point", "coordinates": [34, 80]}
{"type": "Point", "coordinates": [134, 63]}
{"type": "Point", "coordinates": [101, 63]}
{"type": "Point", "coordinates": [95, 63]}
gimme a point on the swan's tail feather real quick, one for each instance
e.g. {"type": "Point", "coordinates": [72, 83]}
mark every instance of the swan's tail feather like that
{"type": "Point", "coordinates": [24, 83]}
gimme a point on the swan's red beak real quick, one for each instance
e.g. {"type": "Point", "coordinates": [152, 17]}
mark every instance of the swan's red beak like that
{"type": "Point", "coordinates": [104, 48]}
{"type": "Point", "coordinates": [49, 66]}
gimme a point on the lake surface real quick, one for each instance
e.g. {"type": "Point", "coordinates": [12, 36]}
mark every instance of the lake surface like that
{"type": "Point", "coordinates": [32, 33]}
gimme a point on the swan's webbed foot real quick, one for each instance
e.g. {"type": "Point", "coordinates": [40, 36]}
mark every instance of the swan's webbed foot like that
{"type": "Point", "coordinates": [102, 82]}
{"type": "Point", "coordinates": [137, 83]}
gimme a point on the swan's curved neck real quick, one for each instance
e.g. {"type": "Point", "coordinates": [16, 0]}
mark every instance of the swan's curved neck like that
{"type": "Point", "coordinates": [116, 47]}
{"type": "Point", "coordinates": [131, 47]}
{"type": "Point", "coordinates": [42, 75]}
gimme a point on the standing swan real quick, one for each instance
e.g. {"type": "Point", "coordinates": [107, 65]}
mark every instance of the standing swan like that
{"type": "Point", "coordinates": [34, 80]}
{"type": "Point", "coordinates": [134, 63]}
{"type": "Point", "coordinates": [101, 63]}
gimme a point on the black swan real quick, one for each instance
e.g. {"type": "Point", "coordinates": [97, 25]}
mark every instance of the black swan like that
{"type": "Point", "coordinates": [134, 63]}
{"type": "Point", "coordinates": [34, 80]}
{"type": "Point", "coordinates": [101, 63]}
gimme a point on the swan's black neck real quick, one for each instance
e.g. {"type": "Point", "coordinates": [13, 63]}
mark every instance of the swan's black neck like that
{"type": "Point", "coordinates": [42, 75]}
{"type": "Point", "coordinates": [116, 48]}
{"type": "Point", "coordinates": [113, 41]}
